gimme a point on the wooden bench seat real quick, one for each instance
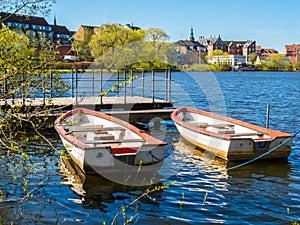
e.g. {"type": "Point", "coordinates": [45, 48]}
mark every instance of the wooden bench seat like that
{"type": "Point", "coordinates": [114, 141]}
{"type": "Point", "coordinates": [94, 129]}
{"type": "Point", "coordinates": [247, 134]}
{"type": "Point", "coordinates": [205, 125]}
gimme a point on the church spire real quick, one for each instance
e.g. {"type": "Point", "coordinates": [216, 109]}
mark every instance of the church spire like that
{"type": "Point", "coordinates": [192, 35]}
{"type": "Point", "coordinates": [54, 20]}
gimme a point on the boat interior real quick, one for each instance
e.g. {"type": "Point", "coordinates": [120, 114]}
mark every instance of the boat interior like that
{"type": "Point", "coordinates": [218, 126]}
{"type": "Point", "coordinates": [96, 131]}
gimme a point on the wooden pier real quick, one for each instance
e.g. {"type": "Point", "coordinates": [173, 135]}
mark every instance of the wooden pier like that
{"type": "Point", "coordinates": [95, 103]}
{"type": "Point", "coordinates": [148, 96]}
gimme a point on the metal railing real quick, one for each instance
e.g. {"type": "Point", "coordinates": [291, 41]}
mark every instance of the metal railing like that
{"type": "Point", "coordinates": [144, 84]}
{"type": "Point", "coordinates": [154, 84]}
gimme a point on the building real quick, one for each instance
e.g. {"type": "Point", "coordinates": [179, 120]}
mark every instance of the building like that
{"type": "Point", "coordinates": [188, 52]}
{"type": "Point", "coordinates": [264, 53]}
{"type": "Point", "coordinates": [235, 47]}
{"type": "Point", "coordinates": [84, 32]}
{"type": "Point", "coordinates": [232, 60]}
{"type": "Point", "coordinates": [35, 28]}
{"type": "Point", "coordinates": [62, 40]}
{"type": "Point", "coordinates": [132, 27]}
{"type": "Point", "coordinates": [245, 48]}
{"type": "Point", "coordinates": [249, 48]}
{"type": "Point", "coordinates": [293, 52]}
{"type": "Point", "coordinates": [38, 29]}
{"type": "Point", "coordinates": [213, 43]}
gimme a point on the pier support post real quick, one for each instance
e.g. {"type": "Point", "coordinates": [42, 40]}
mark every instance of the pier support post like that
{"type": "Point", "coordinates": [170, 85]}
{"type": "Point", "coordinates": [51, 84]}
{"type": "Point", "coordinates": [44, 88]}
{"type": "Point", "coordinates": [101, 86]}
{"type": "Point", "coordinates": [23, 87]}
{"type": "Point", "coordinates": [268, 116]}
{"type": "Point", "coordinates": [125, 91]}
{"type": "Point", "coordinates": [167, 84]}
{"type": "Point", "coordinates": [118, 79]}
{"type": "Point", "coordinates": [72, 82]}
{"type": "Point", "coordinates": [76, 84]}
{"type": "Point", "coordinates": [5, 90]}
{"type": "Point", "coordinates": [153, 86]}
{"type": "Point", "coordinates": [93, 82]}
{"type": "Point", "coordinates": [131, 84]}
{"type": "Point", "coordinates": [143, 82]}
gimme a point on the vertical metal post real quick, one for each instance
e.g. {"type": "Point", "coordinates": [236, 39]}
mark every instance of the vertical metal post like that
{"type": "Point", "coordinates": [51, 84]}
{"type": "Point", "coordinates": [44, 89]}
{"type": "Point", "coordinates": [131, 85]}
{"type": "Point", "coordinates": [72, 83]}
{"type": "Point", "coordinates": [268, 116]}
{"type": "Point", "coordinates": [12, 85]}
{"type": "Point", "coordinates": [5, 88]}
{"type": "Point", "coordinates": [23, 87]}
{"type": "Point", "coordinates": [93, 82]}
{"type": "Point", "coordinates": [167, 83]}
{"type": "Point", "coordinates": [169, 86]}
{"type": "Point", "coordinates": [153, 86]}
{"type": "Point", "coordinates": [118, 78]}
{"type": "Point", "coordinates": [101, 86]}
{"type": "Point", "coordinates": [143, 82]}
{"type": "Point", "coordinates": [13, 88]}
{"type": "Point", "coordinates": [125, 91]}
{"type": "Point", "coordinates": [76, 84]}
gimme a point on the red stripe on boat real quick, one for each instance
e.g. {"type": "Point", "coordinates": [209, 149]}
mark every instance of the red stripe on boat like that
{"type": "Point", "coordinates": [124, 150]}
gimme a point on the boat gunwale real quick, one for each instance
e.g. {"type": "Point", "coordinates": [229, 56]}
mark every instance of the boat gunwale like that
{"type": "Point", "coordinates": [70, 138]}
{"type": "Point", "coordinates": [271, 133]}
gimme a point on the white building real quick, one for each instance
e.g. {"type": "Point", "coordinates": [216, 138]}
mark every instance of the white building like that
{"type": "Point", "coordinates": [232, 60]}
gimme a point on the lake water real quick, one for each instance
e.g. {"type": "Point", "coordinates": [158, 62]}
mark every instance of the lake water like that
{"type": "Point", "coordinates": [202, 190]}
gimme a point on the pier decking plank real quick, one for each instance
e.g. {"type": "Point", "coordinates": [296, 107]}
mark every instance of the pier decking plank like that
{"type": "Point", "coordinates": [90, 102]}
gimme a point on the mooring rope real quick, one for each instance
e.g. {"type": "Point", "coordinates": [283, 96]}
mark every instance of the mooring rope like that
{"type": "Point", "coordinates": [264, 154]}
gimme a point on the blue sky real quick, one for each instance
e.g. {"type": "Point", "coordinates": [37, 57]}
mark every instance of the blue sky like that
{"type": "Point", "coordinates": [272, 23]}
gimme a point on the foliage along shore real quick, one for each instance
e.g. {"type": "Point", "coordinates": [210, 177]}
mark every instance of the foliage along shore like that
{"type": "Point", "coordinates": [67, 67]}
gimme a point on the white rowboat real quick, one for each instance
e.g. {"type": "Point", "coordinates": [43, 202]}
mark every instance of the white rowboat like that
{"type": "Point", "coordinates": [228, 138]}
{"type": "Point", "coordinates": [97, 142]}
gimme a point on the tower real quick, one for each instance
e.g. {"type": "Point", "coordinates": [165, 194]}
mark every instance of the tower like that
{"type": "Point", "coordinates": [192, 35]}
{"type": "Point", "coordinates": [54, 20]}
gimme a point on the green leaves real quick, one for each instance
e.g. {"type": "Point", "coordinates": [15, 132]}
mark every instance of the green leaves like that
{"type": "Point", "coordinates": [116, 46]}
{"type": "Point", "coordinates": [29, 7]}
{"type": "Point", "coordinates": [276, 62]}
{"type": "Point", "coordinates": [118, 85]}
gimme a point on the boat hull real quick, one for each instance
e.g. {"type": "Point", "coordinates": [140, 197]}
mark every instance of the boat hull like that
{"type": "Point", "coordinates": [99, 156]}
{"type": "Point", "coordinates": [230, 147]}
{"type": "Point", "coordinates": [101, 160]}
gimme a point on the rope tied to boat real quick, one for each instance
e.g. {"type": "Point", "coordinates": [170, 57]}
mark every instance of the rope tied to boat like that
{"type": "Point", "coordinates": [264, 154]}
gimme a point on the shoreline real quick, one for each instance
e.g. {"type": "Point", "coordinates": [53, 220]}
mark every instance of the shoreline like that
{"type": "Point", "coordinates": [89, 67]}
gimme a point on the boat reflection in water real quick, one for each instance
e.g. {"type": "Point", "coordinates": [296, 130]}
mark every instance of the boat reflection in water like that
{"type": "Point", "coordinates": [208, 162]}
{"type": "Point", "coordinates": [96, 190]}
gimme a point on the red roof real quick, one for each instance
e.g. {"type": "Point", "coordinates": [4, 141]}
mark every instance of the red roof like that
{"type": "Point", "coordinates": [61, 30]}
{"type": "Point", "coordinates": [14, 18]}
